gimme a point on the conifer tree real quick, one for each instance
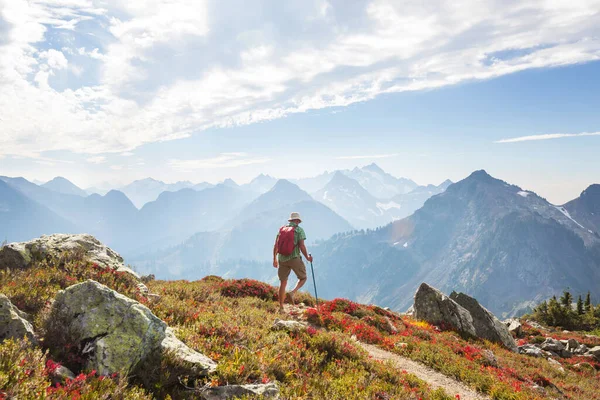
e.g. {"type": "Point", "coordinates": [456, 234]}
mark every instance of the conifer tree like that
{"type": "Point", "coordinates": [588, 302]}
{"type": "Point", "coordinates": [580, 309]}
{"type": "Point", "coordinates": [566, 299]}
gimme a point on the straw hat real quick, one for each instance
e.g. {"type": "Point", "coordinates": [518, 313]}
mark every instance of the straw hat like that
{"type": "Point", "coordinates": [294, 216]}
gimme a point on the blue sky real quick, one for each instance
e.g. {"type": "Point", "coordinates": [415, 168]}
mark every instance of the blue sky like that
{"type": "Point", "coordinates": [109, 91]}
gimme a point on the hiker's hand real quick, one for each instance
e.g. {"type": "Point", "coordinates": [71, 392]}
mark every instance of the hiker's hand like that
{"type": "Point", "coordinates": [309, 258]}
{"type": "Point", "coordinates": [275, 263]}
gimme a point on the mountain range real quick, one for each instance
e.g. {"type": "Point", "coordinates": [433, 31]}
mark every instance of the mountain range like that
{"type": "Point", "coordinates": [508, 247]}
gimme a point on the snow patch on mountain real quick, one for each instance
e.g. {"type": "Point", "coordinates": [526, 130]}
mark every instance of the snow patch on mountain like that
{"type": "Point", "coordinates": [523, 194]}
{"type": "Point", "coordinates": [566, 214]}
{"type": "Point", "coordinates": [388, 205]}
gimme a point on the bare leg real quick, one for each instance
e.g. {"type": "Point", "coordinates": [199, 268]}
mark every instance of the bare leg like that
{"type": "Point", "coordinates": [282, 286]}
{"type": "Point", "coordinates": [300, 283]}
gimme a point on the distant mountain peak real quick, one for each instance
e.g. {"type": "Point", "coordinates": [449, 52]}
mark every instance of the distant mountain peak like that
{"type": "Point", "coordinates": [63, 185]}
{"type": "Point", "coordinates": [480, 174]}
{"type": "Point", "coordinates": [374, 167]}
{"type": "Point", "coordinates": [593, 190]}
{"type": "Point", "coordinates": [284, 184]}
{"type": "Point", "coordinates": [230, 182]}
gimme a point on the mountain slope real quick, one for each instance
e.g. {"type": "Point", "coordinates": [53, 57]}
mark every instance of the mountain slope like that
{"type": "Point", "coordinates": [586, 208]}
{"type": "Point", "coordinates": [22, 218]}
{"type": "Point", "coordinates": [62, 185]}
{"type": "Point", "coordinates": [349, 199]}
{"type": "Point", "coordinates": [261, 184]}
{"type": "Point", "coordinates": [175, 216]}
{"type": "Point", "coordinates": [282, 193]}
{"type": "Point", "coordinates": [246, 240]}
{"type": "Point", "coordinates": [408, 203]}
{"type": "Point", "coordinates": [379, 183]}
{"type": "Point", "coordinates": [505, 246]}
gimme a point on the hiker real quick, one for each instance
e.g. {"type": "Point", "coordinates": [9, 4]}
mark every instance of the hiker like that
{"type": "Point", "coordinates": [286, 256]}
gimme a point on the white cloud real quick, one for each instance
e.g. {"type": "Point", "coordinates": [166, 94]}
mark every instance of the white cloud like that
{"type": "Point", "coordinates": [546, 137]}
{"type": "Point", "coordinates": [55, 59]}
{"type": "Point", "coordinates": [224, 160]}
{"type": "Point", "coordinates": [160, 70]}
{"type": "Point", "coordinates": [366, 156]}
{"type": "Point", "coordinates": [97, 159]}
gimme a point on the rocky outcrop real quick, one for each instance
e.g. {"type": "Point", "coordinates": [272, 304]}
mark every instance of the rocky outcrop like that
{"type": "Point", "coordinates": [267, 391]}
{"type": "Point", "coordinates": [463, 313]}
{"type": "Point", "coordinates": [560, 348]}
{"type": "Point", "coordinates": [20, 255]}
{"type": "Point", "coordinates": [113, 332]}
{"type": "Point", "coordinates": [436, 308]}
{"type": "Point", "coordinates": [13, 322]}
{"type": "Point", "coordinates": [487, 326]}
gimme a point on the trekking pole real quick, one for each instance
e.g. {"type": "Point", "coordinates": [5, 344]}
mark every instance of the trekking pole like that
{"type": "Point", "coordinates": [314, 282]}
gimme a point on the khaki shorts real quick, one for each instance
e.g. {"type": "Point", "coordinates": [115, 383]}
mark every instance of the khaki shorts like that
{"type": "Point", "coordinates": [296, 265]}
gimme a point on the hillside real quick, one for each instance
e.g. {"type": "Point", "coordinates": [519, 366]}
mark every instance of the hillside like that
{"type": "Point", "coordinates": [508, 247]}
{"type": "Point", "coordinates": [318, 353]}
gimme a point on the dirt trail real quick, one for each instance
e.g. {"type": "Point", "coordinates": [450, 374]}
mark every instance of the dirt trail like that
{"type": "Point", "coordinates": [434, 378]}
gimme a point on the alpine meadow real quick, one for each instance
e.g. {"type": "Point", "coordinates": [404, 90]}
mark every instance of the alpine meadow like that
{"type": "Point", "coordinates": [303, 199]}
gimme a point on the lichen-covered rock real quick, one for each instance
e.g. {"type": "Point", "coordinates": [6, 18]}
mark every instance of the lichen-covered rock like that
{"type": "Point", "coordinates": [267, 391]}
{"type": "Point", "coordinates": [113, 332]}
{"type": "Point", "coordinates": [199, 363]}
{"type": "Point", "coordinates": [433, 306]}
{"type": "Point", "coordinates": [20, 255]}
{"type": "Point", "coordinates": [13, 322]}
{"type": "Point", "coordinates": [290, 326]}
{"type": "Point", "coordinates": [487, 326]}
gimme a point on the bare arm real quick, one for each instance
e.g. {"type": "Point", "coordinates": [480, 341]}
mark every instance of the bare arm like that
{"type": "Point", "coordinates": [275, 254]}
{"type": "Point", "coordinates": [304, 251]}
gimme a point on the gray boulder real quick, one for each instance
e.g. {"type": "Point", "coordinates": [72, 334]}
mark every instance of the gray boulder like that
{"type": "Point", "coordinates": [13, 322]}
{"type": "Point", "coordinates": [267, 391]}
{"type": "Point", "coordinates": [20, 255]}
{"type": "Point", "coordinates": [433, 306]}
{"type": "Point", "coordinates": [113, 332]}
{"type": "Point", "coordinates": [61, 374]}
{"type": "Point", "coordinates": [582, 349]}
{"type": "Point", "coordinates": [487, 326]}
{"type": "Point", "coordinates": [290, 326]}
{"type": "Point", "coordinates": [531, 350]}
{"type": "Point", "coordinates": [198, 362]}
{"type": "Point", "coordinates": [595, 351]}
{"type": "Point", "coordinates": [552, 345]}
{"type": "Point", "coordinates": [572, 345]}
{"type": "Point", "coordinates": [514, 326]}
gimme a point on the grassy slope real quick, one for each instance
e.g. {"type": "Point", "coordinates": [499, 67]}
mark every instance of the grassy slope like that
{"type": "Point", "coordinates": [230, 321]}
